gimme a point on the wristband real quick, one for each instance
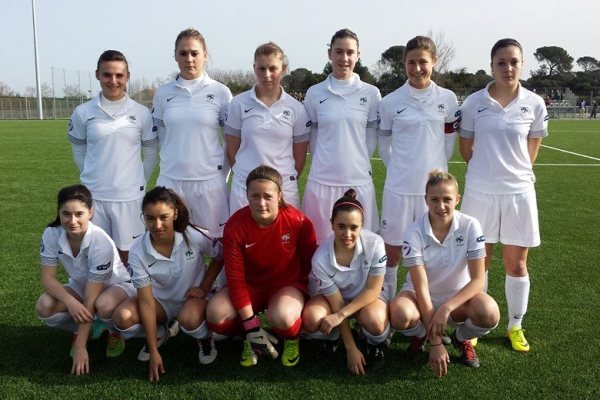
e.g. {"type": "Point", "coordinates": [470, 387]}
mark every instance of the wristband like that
{"type": "Point", "coordinates": [251, 324]}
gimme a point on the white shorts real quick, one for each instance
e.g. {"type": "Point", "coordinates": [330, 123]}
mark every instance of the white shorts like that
{"type": "Point", "coordinates": [79, 287]}
{"type": "Point", "coordinates": [121, 220]}
{"type": "Point", "coordinates": [318, 201]}
{"type": "Point", "coordinates": [207, 201]}
{"type": "Point", "coordinates": [238, 198]}
{"type": "Point", "coordinates": [398, 212]}
{"type": "Point", "coordinates": [506, 218]}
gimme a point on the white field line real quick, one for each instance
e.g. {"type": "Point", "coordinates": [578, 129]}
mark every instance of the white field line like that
{"type": "Point", "coordinates": [571, 152]}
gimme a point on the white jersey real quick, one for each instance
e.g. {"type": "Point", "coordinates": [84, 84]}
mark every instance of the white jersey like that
{"type": "Point", "coordinates": [341, 155]}
{"type": "Point", "coordinates": [266, 133]}
{"type": "Point", "coordinates": [172, 277]}
{"type": "Point", "coordinates": [445, 263]}
{"type": "Point", "coordinates": [418, 135]}
{"type": "Point", "coordinates": [191, 148]}
{"type": "Point", "coordinates": [328, 277]}
{"type": "Point", "coordinates": [112, 168]}
{"type": "Point", "coordinates": [97, 261]}
{"type": "Point", "coordinates": [500, 162]}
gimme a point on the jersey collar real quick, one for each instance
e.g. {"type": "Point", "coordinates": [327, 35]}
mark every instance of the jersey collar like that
{"type": "Point", "coordinates": [355, 86]}
{"type": "Point", "coordinates": [65, 247]}
{"type": "Point", "coordinates": [149, 249]}
{"type": "Point", "coordinates": [427, 230]}
{"type": "Point", "coordinates": [358, 250]}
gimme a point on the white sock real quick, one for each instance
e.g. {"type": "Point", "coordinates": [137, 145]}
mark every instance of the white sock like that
{"type": "Point", "coordinates": [136, 330]}
{"type": "Point", "coordinates": [390, 282]}
{"type": "Point", "coordinates": [418, 331]}
{"type": "Point", "coordinates": [468, 330]}
{"type": "Point", "coordinates": [200, 332]}
{"type": "Point", "coordinates": [62, 321]}
{"type": "Point", "coordinates": [486, 281]}
{"type": "Point", "coordinates": [376, 339]}
{"type": "Point", "coordinates": [516, 289]}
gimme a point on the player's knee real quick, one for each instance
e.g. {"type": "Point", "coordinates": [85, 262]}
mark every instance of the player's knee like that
{"type": "Point", "coordinates": [374, 324]}
{"type": "Point", "coordinates": [104, 307]}
{"type": "Point", "coordinates": [310, 320]}
{"type": "Point", "coordinates": [190, 319]}
{"type": "Point", "coordinates": [44, 307]}
{"type": "Point", "coordinates": [122, 318]}
{"type": "Point", "coordinates": [402, 317]}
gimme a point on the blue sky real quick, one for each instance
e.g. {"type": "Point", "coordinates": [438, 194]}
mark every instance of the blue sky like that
{"type": "Point", "coordinates": [72, 34]}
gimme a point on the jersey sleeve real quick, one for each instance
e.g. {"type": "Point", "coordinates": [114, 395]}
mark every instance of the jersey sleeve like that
{"type": "Point", "coordinates": [412, 247]}
{"type": "Point", "coordinates": [323, 280]}
{"type": "Point", "coordinates": [77, 133]}
{"type": "Point", "coordinates": [140, 276]}
{"type": "Point", "coordinates": [48, 249]}
{"type": "Point", "coordinates": [385, 118]}
{"type": "Point", "coordinates": [224, 105]}
{"type": "Point", "coordinates": [451, 125]}
{"type": "Point", "coordinates": [476, 241]}
{"type": "Point", "coordinates": [307, 244]}
{"type": "Point", "coordinates": [466, 127]}
{"type": "Point", "coordinates": [101, 257]}
{"type": "Point", "coordinates": [373, 122]}
{"type": "Point", "coordinates": [235, 267]}
{"type": "Point", "coordinates": [302, 124]}
{"type": "Point", "coordinates": [157, 115]}
{"type": "Point", "coordinates": [233, 121]}
{"type": "Point", "coordinates": [378, 258]}
{"type": "Point", "coordinates": [539, 127]}
{"type": "Point", "coordinates": [210, 246]}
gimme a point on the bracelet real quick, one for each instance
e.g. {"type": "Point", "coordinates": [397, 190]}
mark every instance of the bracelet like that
{"type": "Point", "coordinates": [252, 323]}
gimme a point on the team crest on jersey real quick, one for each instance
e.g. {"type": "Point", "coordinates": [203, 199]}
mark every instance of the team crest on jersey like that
{"type": "Point", "coordinates": [363, 101]}
{"type": "Point", "coordinates": [285, 238]}
{"type": "Point", "coordinates": [154, 128]}
{"type": "Point", "coordinates": [103, 267]}
{"type": "Point", "coordinates": [70, 125]}
{"type": "Point", "coordinates": [210, 97]}
{"type": "Point", "coordinates": [383, 223]}
{"type": "Point", "coordinates": [441, 108]}
{"type": "Point", "coordinates": [481, 239]}
{"type": "Point", "coordinates": [189, 255]}
{"type": "Point", "coordinates": [460, 241]}
{"type": "Point", "coordinates": [286, 114]}
{"type": "Point", "coordinates": [382, 259]}
{"type": "Point", "coordinates": [406, 248]}
{"type": "Point", "coordinates": [132, 119]}
{"type": "Point", "coordinates": [524, 109]}
{"type": "Point", "coordinates": [308, 124]}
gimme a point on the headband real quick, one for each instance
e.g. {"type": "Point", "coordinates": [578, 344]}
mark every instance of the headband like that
{"type": "Point", "coordinates": [349, 203]}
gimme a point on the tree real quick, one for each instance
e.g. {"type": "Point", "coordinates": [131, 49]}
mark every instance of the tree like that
{"type": "Point", "coordinates": [47, 91]}
{"type": "Point", "coordinates": [391, 68]}
{"type": "Point", "coordinates": [555, 59]}
{"type": "Point", "coordinates": [74, 91]}
{"type": "Point", "coordinates": [238, 81]}
{"type": "Point", "coordinates": [299, 80]}
{"type": "Point", "coordinates": [6, 90]}
{"type": "Point", "coordinates": [587, 63]}
{"type": "Point", "coordinates": [445, 50]}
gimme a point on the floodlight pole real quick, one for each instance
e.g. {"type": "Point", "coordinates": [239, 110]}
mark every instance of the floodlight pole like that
{"type": "Point", "coordinates": [37, 66]}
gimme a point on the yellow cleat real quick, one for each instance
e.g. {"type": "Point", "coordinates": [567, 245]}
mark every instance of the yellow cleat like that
{"type": "Point", "coordinates": [517, 339]}
{"type": "Point", "coordinates": [474, 342]}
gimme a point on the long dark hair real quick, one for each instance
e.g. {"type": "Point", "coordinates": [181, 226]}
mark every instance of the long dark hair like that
{"type": "Point", "coordinates": [73, 192]}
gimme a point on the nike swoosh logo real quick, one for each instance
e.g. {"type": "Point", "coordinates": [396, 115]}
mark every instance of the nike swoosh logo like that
{"type": "Point", "coordinates": [426, 247]}
{"type": "Point", "coordinates": [248, 109]}
{"type": "Point", "coordinates": [293, 360]}
{"type": "Point", "coordinates": [324, 100]}
{"type": "Point", "coordinates": [481, 109]}
{"type": "Point", "coordinates": [400, 112]}
{"type": "Point", "coordinates": [151, 264]}
{"type": "Point", "coordinates": [222, 224]}
{"type": "Point", "coordinates": [250, 245]}
{"type": "Point", "coordinates": [136, 236]}
{"type": "Point", "coordinates": [170, 98]}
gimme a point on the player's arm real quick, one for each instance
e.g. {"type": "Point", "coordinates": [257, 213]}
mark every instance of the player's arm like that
{"type": "Point", "coordinates": [214, 268]}
{"type": "Point", "coordinates": [355, 358]}
{"type": "Point", "coordinates": [149, 140]}
{"type": "Point", "coordinates": [533, 147]}
{"type": "Point", "coordinates": [147, 308]}
{"type": "Point", "coordinates": [232, 145]}
{"type": "Point", "coordinates": [299, 152]}
{"type": "Point", "coordinates": [56, 289]}
{"type": "Point", "coordinates": [80, 357]}
{"type": "Point", "coordinates": [465, 146]}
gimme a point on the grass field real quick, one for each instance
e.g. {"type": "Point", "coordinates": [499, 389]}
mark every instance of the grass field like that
{"type": "Point", "coordinates": [35, 161]}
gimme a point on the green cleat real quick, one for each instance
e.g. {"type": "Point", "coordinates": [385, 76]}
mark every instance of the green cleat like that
{"type": "Point", "coordinates": [115, 345]}
{"type": "Point", "coordinates": [291, 352]}
{"type": "Point", "coordinates": [517, 339]}
{"type": "Point", "coordinates": [98, 328]}
{"type": "Point", "coordinates": [249, 358]}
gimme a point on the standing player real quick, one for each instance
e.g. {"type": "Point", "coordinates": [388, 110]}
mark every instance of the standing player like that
{"type": "Point", "coordinates": [187, 113]}
{"type": "Point", "coordinates": [343, 111]}
{"type": "Point", "coordinates": [266, 126]}
{"type": "Point", "coordinates": [268, 246]}
{"type": "Point", "coordinates": [171, 279]}
{"type": "Point", "coordinates": [107, 135]}
{"type": "Point", "coordinates": [98, 280]}
{"type": "Point", "coordinates": [418, 123]}
{"type": "Point", "coordinates": [501, 131]}
{"type": "Point", "coordinates": [345, 281]}
{"type": "Point", "coordinates": [444, 251]}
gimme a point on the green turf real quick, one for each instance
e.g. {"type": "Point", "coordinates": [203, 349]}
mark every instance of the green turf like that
{"type": "Point", "coordinates": [35, 161]}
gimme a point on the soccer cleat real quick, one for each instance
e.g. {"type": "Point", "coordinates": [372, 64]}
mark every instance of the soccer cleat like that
{"type": "Point", "coordinates": [375, 356]}
{"type": "Point", "coordinates": [249, 358]}
{"type": "Point", "coordinates": [466, 351]}
{"type": "Point", "coordinates": [291, 352]}
{"type": "Point", "coordinates": [328, 348]}
{"type": "Point", "coordinates": [417, 345]}
{"type": "Point", "coordinates": [144, 355]}
{"type": "Point", "coordinates": [517, 339]}
{"type": "Point", "coordinates": [207, 351]}
{"type": "Point", "coordinates": [115, 345]}
{"type": "Point", "coordinates": [474, 342]}
{"type": "Point", "coordinates": [174, 328]}
{"type": "Point", "coordinates": [98, 328]}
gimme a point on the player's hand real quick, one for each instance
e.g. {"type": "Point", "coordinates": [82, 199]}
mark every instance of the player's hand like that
{"type": "Point", "coordinates": [437, 325]}
{"type": "Point", "coordinates": [196, 293]}
{"type": "Point", "coordinates": [81, 363]}
{"type": "Point", "coordinates": [329, 322]}
{"type": "Point", "coordinates": [356, 361]}
{"type": "Point", "coordinates": [439, 360]}
{"type": "Point", "coordinates": [156, 367]}
{"type": "Point", "coordinates": [79, 312]}
{"type": "Point", "coordinates": [262, 343]}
